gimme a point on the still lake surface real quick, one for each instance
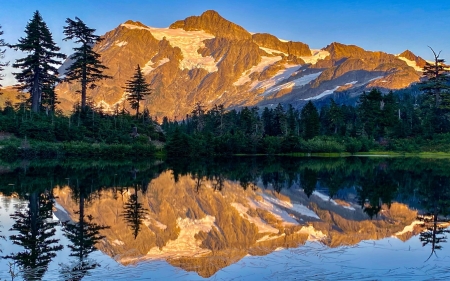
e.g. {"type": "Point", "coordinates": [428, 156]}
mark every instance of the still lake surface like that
{"type": "Point", "coordinates": [245, 218]}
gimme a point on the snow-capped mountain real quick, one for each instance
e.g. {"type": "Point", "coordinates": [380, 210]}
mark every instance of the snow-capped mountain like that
{"type": "Point", "coordinates": [211, 60]}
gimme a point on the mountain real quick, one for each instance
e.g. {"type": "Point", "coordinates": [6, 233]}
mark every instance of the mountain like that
{"type": "Point", "coordinates": [194, 225]}
{"type": "Point", "coordinates": [211, 60]}
{"type": "Point", "coordinates": [8, 94]}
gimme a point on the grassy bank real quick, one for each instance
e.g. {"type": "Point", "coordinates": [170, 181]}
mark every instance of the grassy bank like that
{"type": "Point", "coordinates": [12, 149]}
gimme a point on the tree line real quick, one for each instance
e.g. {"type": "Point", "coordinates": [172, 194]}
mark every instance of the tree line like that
{"type": "Point", "coordinates": [400, 121]}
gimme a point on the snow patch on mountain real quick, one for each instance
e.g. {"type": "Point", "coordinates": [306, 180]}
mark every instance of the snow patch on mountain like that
{"type": "Point", "coordinates": [188, 41]}
{"type": "Point", "coordinates": [411, 63]}
{"type": "Point", "coordinates": [272, 51]}
{"type": "Point", "coordinates": [121, 43]}
{"type": "Point", "coordinates": [329, 92]}
{"type": "Point", "coordinates": [279, 77]}
{"type": "Point", "coordinates": [150, 66]}
{"type": "Point", "coordinates": [294, 83]}
{"type": "Point", "coordinates": [316, 56]}
{"type": "Point", "coordinates": [260, 67]}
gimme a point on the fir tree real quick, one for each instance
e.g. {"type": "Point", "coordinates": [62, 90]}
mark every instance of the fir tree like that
{"type": "Point", "coordinates": [436, 84]}
{"type": "Point", "coordinates": [336, 117]}
{"type": "Point", "coordinates": [39, 67]}
{"type": "Point", "coordinates": [137, 89]}
{"type": "Point", "coordinates": [310, 121]}
{"type": "Point", "coordinates": [2, 55]}
{"type": "Point", "coordinates": [86, 68]}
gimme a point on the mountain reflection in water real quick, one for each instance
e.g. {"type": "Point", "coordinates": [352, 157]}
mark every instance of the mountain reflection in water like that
{"type": "Point", "coordinates": [205, 216]}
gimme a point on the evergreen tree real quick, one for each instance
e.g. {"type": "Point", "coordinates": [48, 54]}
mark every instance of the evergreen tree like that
{"type": "Point", "coordinates": [279, 121]}
{"type": "Point", "coordinates": [336, 117]}
{"type": "Point", "coordinates": [436, 84]}
{"type": "Point", "coordinates": [86, 67]}
{"type": "Point", "coordinates": [437, 91]}
{"type": "Point", "coordinates": [39, 67]}
{"type": "Point", "coordinates": [137, 89]}
{"type": "Point", "coordinates": [198, 116]}
{"type": "Point", "coordinates": [310, 121]}
{"type": "Point", "coordinates": [2, 56]}
{"type": "Point", "coordinates": [267, 117]}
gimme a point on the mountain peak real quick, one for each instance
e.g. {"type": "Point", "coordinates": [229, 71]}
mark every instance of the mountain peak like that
{"type": "Point", "coordinates": [136, 23]}
{"type": "Point", "coordinates": [212, 22]}
{"type": "Point", "coordinates": [339, 50]}
{"type": "Point", "coordinates": [407, 54]}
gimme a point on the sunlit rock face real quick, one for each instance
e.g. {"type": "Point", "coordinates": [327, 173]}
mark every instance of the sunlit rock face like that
{"type": "Point", "coordinates": [8, 94]}
{"type": "Point", "coordinates": [211, 60]}
{"type": "Point", "coordinates": [204, 225]}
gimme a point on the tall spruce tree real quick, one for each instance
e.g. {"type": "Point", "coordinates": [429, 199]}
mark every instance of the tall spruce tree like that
{"type": "Point", "coordinates": [310, 121]}
{"type": "Point", "coordinates": [436, 87]}
{"type": "Point", "coordinates": [2, 56]}
{"type": "Point", "coordinates": [436, 84]}
{"type": "Point", "coordinates": [137, 89]}
{"type": "Point", "coordinates": [39, 66]}
{"type": "Point", "coordinates": [86, 67]}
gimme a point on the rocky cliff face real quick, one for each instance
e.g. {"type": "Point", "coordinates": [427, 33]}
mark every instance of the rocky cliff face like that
{"type": "Point", "coordinates": [211, 60]}
{"type": "Point", "coordinates": [197, 227]}
{"type": "Point", "coordinates": [212, 23]}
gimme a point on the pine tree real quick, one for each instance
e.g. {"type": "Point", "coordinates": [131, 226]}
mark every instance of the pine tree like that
{"type": "Point", "coordinates": [336, 116]}
{"type": "Point", "coordinates": [436, 87]}
{"type": "Point", "coordinates": [137, 89]}
{"type": "Point", "coordinates": [2, 55]}
{"type": "Point", "coordinates": [310, 121]}
{"type": "Point", "coordinates": [86, 67]}
{"type": "Point", "coordinates": [39, 67]}
{"type": "Point", "coordinates": [437, 81]}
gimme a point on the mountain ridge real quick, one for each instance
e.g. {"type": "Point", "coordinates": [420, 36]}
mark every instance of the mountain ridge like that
{"type": "Point", "coordinates": [211, 60]}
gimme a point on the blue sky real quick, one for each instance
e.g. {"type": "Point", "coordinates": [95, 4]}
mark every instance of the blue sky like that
{"type": "Point", "coordinates": [390, 26]}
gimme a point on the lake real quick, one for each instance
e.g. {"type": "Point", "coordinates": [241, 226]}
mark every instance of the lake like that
{"type": "Point", "coordinates": [242, 218]}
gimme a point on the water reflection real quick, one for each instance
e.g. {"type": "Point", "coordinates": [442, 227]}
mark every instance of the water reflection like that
{"type": "Point", "coordinates": [134, 211]}
{"type": "Point", "coordinates": [36, 229]}
{"type": "Point", "coordinates": [83, 233]}
{"type": "Point", "coordinates": [204, 216]}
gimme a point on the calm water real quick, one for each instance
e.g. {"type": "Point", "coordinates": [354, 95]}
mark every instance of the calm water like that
{"type": "Point", "coordinates": [234, 219]}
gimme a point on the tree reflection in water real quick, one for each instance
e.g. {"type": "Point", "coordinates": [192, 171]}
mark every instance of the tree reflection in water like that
{"type": "Point", "coordinates": [435, 197]}
{"type": "Point", "coordinates": [134, 212]}
{"type": "Point", "coordinates": [36, 231]}
{"type": "Point", "coordinates": [83, 236]}
{"type": "Point", "coordinates": [371, 183]}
